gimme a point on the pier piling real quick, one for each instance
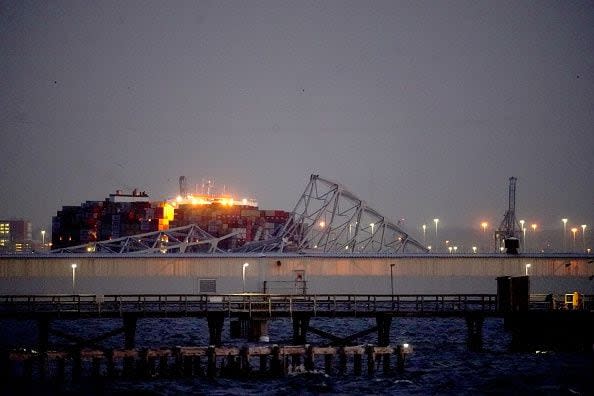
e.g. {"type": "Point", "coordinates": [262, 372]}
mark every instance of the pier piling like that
{"type": "Point", "coordinates": [300, 327]}
{"type": "Point", "coordinates": [474, 326]}
{"type": "Point", "coordinates": [129, 330]}
{"type": "Point", "coordinates": [215, 327]}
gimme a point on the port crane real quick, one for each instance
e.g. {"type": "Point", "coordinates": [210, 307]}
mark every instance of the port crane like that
{"type": "Point", "coordinates": [509, 230]}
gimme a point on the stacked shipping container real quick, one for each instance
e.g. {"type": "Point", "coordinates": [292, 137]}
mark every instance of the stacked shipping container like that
{"type": "Point", "coordinates": [102, 220]}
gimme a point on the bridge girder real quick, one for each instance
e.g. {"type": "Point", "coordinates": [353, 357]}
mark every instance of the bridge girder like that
{"type": "Point", "coordinates": [328, 218]}
{"type": "Point", "coordinates": [175, 240]}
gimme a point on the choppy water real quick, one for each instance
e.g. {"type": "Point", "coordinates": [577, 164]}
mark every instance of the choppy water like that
{"type": "Point", "coordinates": [440, 363]}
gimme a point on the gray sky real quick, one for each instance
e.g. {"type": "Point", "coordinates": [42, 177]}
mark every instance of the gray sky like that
{"type": "Point", "coordinates": [423, 109]}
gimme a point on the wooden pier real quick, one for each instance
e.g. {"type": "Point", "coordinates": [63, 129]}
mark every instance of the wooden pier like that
{"type": "Point", "coordinates": [251, 310]}
{"type": "Point", "coordinates": [250, 313]}
{"type": "Point", "coordinates": [211, 361]}
{"type": "Point", "coordinates": [252, 304]}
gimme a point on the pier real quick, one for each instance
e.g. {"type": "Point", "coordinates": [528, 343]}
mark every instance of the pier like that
{"type": "Point", "coordinates": [206, 361]}
{"type": "Point", "coordinates": [251, 310]}
{"type": "Point", "coordinates": [249, 313]}
{"type": "Point", "coordinates": [532, 320]}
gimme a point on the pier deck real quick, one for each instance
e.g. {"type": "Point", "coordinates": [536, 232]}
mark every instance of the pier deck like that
{"type": "Point", "coordinates": [250, 304]}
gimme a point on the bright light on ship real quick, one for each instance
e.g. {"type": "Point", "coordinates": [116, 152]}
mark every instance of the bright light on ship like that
{"type": "Point", "coordinates": [224, 200]}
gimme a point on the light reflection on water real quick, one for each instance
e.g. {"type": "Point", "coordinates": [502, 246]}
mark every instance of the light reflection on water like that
{"type": "Point", "coordinates": [440, 364]}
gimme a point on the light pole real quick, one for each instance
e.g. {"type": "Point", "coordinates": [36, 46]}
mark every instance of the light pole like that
{"type": "Point", "coordinates": [245, 265]}
{"type": "Point", "coordinates": [436, 241]}
{"type": "Point", "coordinates": [392, 279]}
{"type": "Point", "coordinates": [474, 249]}
{"type": "Point", "coordinates": [524, 236]}
{"type": "Point", "coordinates": [484, 224]}
{"type": "Point", "coordinates": [574, 230]}
{"type": "Point", "coordinates": [73, 265]}
{"type": "Point", "coordinates": [528, 266]}
{"type": "Point", "coordinates": [564, 234]}
{"type": "Point", "coordinates": [534, 231]}
{"type": "Point", "coordinates": [43, 239]}
{"type": "Point", "coordinates": [372, 225]}
{"type": "Point", "coordinates": [584, 235]}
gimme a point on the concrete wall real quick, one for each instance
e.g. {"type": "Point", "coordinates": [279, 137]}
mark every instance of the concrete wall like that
{"type": "Point", "coordinates": [324, 274]}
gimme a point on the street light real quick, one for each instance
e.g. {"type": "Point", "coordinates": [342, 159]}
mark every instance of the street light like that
{"type": "Point", "coordinates": [474, 249]}
{"type": "Point", "coordinates": [524, 237]}
{"type": "Point", "coordinates": [43, 239]}
{"type": "Point", "coordinates": [436, 241]}
{"type": "Point", "coordinates": [73, 265]}
{"type": "Point", "coordinates": [372, 225]}
{"type": "Point", "coordinates": [584, 235]}
{"type": "Point", "coordinates": [392, 279]}
{"type": "Point", "coordinates": [564, 234]}
{"type": "Point", "coordinates": [245, 265]}
{"type": "Point", "coordinates": [484, 224]}
{"type": "Point", "coordinates": [534, 226]}
{"type": "Point", "coordinates": [450, 249]}
{"type": "Point", "coordinates": [574, 230]}
{"type": "Point", "coordinates": [528, 266]}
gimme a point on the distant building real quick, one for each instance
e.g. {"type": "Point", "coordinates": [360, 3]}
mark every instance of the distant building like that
{"type": "Point", "coordinates": [15, 236]}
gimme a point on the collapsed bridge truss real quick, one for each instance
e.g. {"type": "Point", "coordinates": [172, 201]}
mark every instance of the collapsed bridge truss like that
{"type": "Point", "coordinates": [327, 219]}
{"type": "Point", "coordinates": [330, 219]}
{"type": "Point", "coordinates": [186, 239]}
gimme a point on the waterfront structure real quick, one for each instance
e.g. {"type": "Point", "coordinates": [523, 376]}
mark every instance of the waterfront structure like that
{"type": "Point", "coordinates": [318, 273]}
{"type": "Point", "coordinates": [507, 235]}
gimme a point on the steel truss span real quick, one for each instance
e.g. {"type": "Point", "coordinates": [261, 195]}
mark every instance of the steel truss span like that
{"type": "Point", "coordinates": [330, 219]}
{"type": "Point", "coordinates": [187, 239]}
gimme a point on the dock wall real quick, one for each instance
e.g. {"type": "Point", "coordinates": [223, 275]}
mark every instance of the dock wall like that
{"type": "Point", "coordinates": [322, 274]}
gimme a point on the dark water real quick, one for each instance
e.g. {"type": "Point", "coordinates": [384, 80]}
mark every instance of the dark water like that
{"type": "Point", "coordinates": [440, 362]}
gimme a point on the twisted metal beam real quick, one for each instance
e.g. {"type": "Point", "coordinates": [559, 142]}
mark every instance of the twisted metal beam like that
{"type": "Point", "coordinates": [330, 219]}
{"type": "Point", "coordinates": [184, 239]}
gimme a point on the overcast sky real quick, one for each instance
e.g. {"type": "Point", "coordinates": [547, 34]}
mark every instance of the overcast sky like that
{"type": "Point", "coordinates": [423, 109]}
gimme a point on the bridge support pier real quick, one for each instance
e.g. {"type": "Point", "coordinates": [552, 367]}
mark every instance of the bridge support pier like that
{"type": "Point", "coordinates": [215, 327]}
{"type": "Point", "coordinates": [300, 327]}
{"type": "Point", "coordinates": [474, 325]}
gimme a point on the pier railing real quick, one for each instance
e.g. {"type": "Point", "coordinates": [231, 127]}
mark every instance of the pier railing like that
{"type": "Point", "coordinates": [252, 304]}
